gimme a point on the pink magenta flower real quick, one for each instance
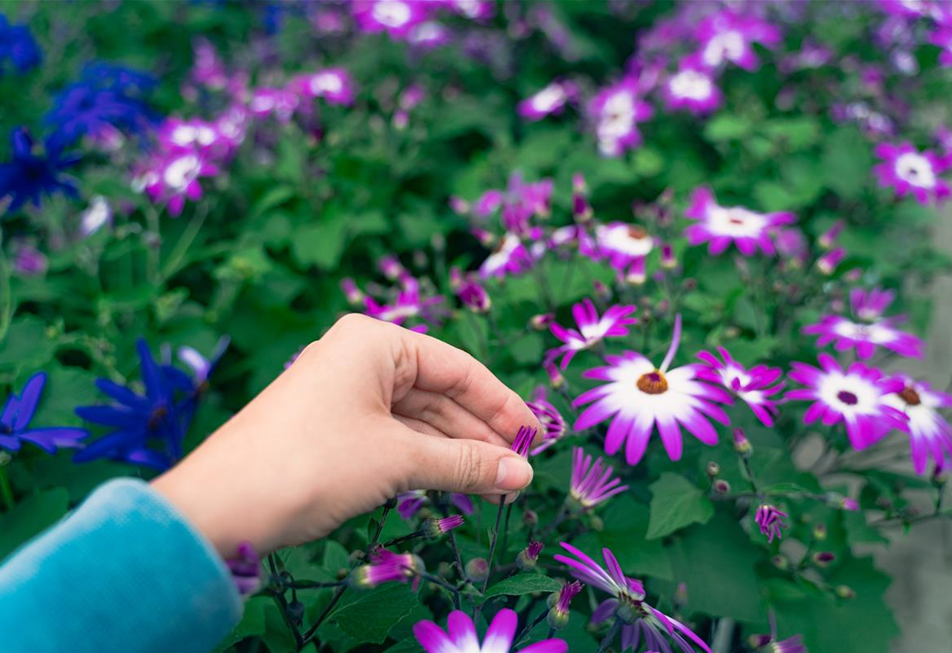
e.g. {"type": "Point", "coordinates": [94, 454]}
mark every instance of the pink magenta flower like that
{"type": "Point", "coordinates": [470, 292]}
{"type": "Point", "coordinates": [396, 17]}
{"type": "Point", "coordinates": [409, 303]}
{"type": "Point", "coordinates": [279, 102]}
{"type": "Point", "coordinates": [553, 424]}
{"type": "Point", "coordinates": [175, 178]}
{"type": "Point", "coordinates": [754, 386]}
{"type": "Point", "coordinates": [692, 89]}
{"type": "Point", "coordinates": [628, 604]}
{"type": "Point", "coordinates": [472, 9]}
{"type": "Point", "coordinates": [616, 112]}
{"type": "Point", "coordinates": [855, 396]}
{"type": "Point", "coordinates": [942, 37]}
{"type": "Point", "coordinates": [929, 432]}
{"type": "Point", "coordinates": [462, 637]}
{"type": "Point", "coordinates": [429, 35]}
{"type": "Point", "coordinates": [558, 616]}
{"type": "Point", "coordinates": [722, 225]}
{"type": "Point", "coordinates": [592, 329]}
{"type": "Point", "coordinates": [410, 503]}
{"type": "Point", "coordinates": [908, 170]}
{"type": "Point", "coordinates": [509, 257]}
{"type": "Point", "coordinates": [550, 100]}
{"type": "Point", "coordinates": [770, 521]}
{"type": "Point", "coordinates": [873, 331]}
{"type": "Point", "coordinates": [727, 37]}
{"type": "Point", "coordinates": [592, 482]}
{"type": "Point", "coordinates": [523, 440]}
{"type": "Point", "coordinates": [334, 85]}
{"type": "Point", "coordinates": [623, 244]}
{"type": "Point", "coordinates": [386, 567]}
{"type": "Point", "coordinates": [639, 395]}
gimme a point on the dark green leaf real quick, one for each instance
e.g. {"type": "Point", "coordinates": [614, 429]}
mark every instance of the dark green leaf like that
{"type": "Point", "coordinates": [526, 583]}
{"type": "Point", "coordinates": [676, 503]}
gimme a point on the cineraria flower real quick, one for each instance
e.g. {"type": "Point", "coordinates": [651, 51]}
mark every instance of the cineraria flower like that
{"type": "Point", "coordinates": [722, 225]}
{"type": "Point", "coordinates": [429, 35]}
{"type": "Point", "coordinates": [625, 245]}
{"type": "Point", "coordinates": [728, 36]}
{"type": "Point", "coordinates": [592, 483]}
{"type": "Point", "coordinates": [910, 171]}
{"type": "Point", "coordinates": [509, 257]}
{"type": "Point", "coordinates": [208, 70]}
{"type": "Point", "coordinates": [855, 396]}
{"type": "Point", "coordinates": [770, 521]}
{"type": "Point", "coordinates": [692, 89]}
{"type": "Point", "coordinates": [828, 238]}
{"type": "Point", "coordinates": [472, 9]}
{"type": "Point", "coordinates": [470, 292]}
{"type": "Point", "coordinates": [528, 558]}
{"type": "Point", "coordinates": [281, 102]}
{"type": "Point", "coordinates": [409, 303]}
{"type": "Point", "coordinates": [462, 638]}
{"type": "Point", "coordinates": [592, 329]}
{"type": "Point", "coordinates": [386, 567]}
{"type": "Point", "coordinates": [95, 216]}
{"type": "Point", "coordinates": [246, 569]}
{"type": "Point", "coordinates": [752, 386]}
{"type": "Point", "coordinates": [435, 528]}
{"type": "Point", "coordinates": [553, 424]}
{"type": "Point", "coordinates": [865, 338]}
{"type": "Point", "coordinates": [29, 176]}
{"type": "Point", "coordinates": [18, 46]}
{"type": "Point", "coordinates": [616, 112]}
{"type": "Point", "coordinates": [558, 616]}
{"type": "Point", "coordinates": [769, 643]}
{"type": "Point", "coordinates": [332, 84]}
{"type": "Point", "coordinates": [523, 440]}
{"type": "Point", "coordinates": [828, 263]}
{"type": "Point", "coordinates": [942, 37]}
{"type": "Point", "coordinates": [628, 605]}
{"type": "Point", "coordinates": [28, 260]}
{"type": "Point", "coordinates": [550, 100]}
{"type": "Point", "coordinates": [639, 395]}
{"type": "Point", "coordinates": [396, 17]}
{"type": "Point", "coordinates": [929, 431]}
{"type": "Point", "coordinates": [195, 137]}
{"type": "Point", "coordinates": [15, 420]}
{"type": "Point", "coordinates": [173, 178]}
{"type": "Point", "coordinates": [139, 421]}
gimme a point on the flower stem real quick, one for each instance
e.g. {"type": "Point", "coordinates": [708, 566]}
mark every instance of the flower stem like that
{"type": "Point", "coordinates": [6, 492]}
{"type": "Point", "coordinates": [492, 551]}
{"type": "Point", "coordinates": [436, 580]}
{"type": "Point", "coordinates": [529, 626]}
{"type": "Point", "coordinates": [400, 540]}
{"type": "Point", "coordinates": [610, 637]}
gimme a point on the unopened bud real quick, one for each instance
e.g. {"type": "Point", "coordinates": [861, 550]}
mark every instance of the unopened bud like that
{"type": "Point", "coordinates": [295, 612]}
{"type": "Point", "coordinates": [742, 445]}
{"type": "Point", "coordinates": [757, 641]}
{"type": "Point", "coordinates": [528, 558]}
{"type": "Point", "coordinates": [436, 528]}
{"type": "Point", "coordinates": [601, 290]}
{"type": "Point", "coordinates": [720, 486]}
{"type": "Point", "coordinates": [713, 469]}
{"type": "Point", "coordinates": [556, 380]}
{"type": "Point", "coordinates": [681, 594]}
{"type": "Point", "coordinates": [823, 558]}
{"type": "Point", "coordinates": [667, 257]}
{"type": "Point", "coordinates": [819, 532]}
{"type": "Point", "coordinates": [542, 321]}
{"type": "Point", "coordinates": [477, 570]}
{"type": "Point", "coordinates": [845, 592]}
{"type": "Point", "coordinates": [530, 518]}
{"type": "Point", "coordinates": [781, 562]}
{"type": "Point", "coordinates": [558, 602]}
{"type": "Point", "coordinates": [596, 523]}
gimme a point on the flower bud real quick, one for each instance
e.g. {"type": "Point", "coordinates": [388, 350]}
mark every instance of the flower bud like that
{"type": "Point", "coordinates": [828, 238]}
{"type": "Point", "coordinates": [823, 558]}
{"type": "Point", "coordinates": [828, 263]}
{"type": "Point", "coordinates": [845, 592]}
{"type": "Point", "coordinates": [636, 272]}
{"type": "Point", "coordinates": [668, 261]}
{"type": "Point", "coordinates": [757, 641]}
{"type": "Point", "coordinates": [458, 205]}
{"type": "Point", "coordinates": [295, 612]}
{"type": "Point", "coordinates": [819, 532]}
{"type": "Point", "coordinates": [353, 294]}
{"type": "Point", "coordinates": [596, 523]}
{"type": "Point", "coordinates": [835, 500]}
{"type": "Point", "coordinates": [720, 486]}
{"type": "Point", "coordinates": [530, 518]}
{"type": "Point", "coordinates": [742, 445]}
{"type": "Point", "coordinates": [528, 558]}
{"type": "Point", "coordinates": [681, 594]}
{"type": "Point", "coordinates": [477, 570]}
{"type": "Point", "coordinates": [556, 380]}
{"type": "Point", "coordinates": [689, 284]}
{"type": "Point", "coordinates": [602, 291]}
{"type": "Point", "coordinates": [435, 528]}
{"type": "Point", "coordinates": [558, 617]}
{"type": "Point", "coordinates": [713, 469]}
{"type": "Point", "coordinates": [541, 321]}
{"type": "Point", "coordinates": [781, 562]}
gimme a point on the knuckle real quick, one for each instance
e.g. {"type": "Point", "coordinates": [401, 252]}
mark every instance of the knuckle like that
{"type": "Point", "coordinates": [469, 467]}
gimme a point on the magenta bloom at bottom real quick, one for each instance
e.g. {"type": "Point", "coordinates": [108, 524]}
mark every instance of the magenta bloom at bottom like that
{"type": "Point", "coordinates": [462, 637]}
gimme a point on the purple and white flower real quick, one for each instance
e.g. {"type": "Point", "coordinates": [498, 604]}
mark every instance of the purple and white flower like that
{"type": "Point", "coordinates": [470, 291]}
{"type": "Point", "coordinates": [865, 337]}
{"type": "Point", "coordinates": [637, 396]}
{"type": "Point", "coordinates": [722, 225]}
{"type": "Point", "coordinates": [628, 604]}
{"type": "Point", "coordinates": [553, 424]}
{"type": "Point", "coordinates": [509, 257]}
{"type": "Point", "coordinates": [908, 170]}
{"type": "Point", "coordinates": [550, 100]}
{"type": "Point", "coordinates": [616, 112]}
{"type": "Point", "coordinates": [334, 85]}
{"type": "Point", "coordinates": [592, 329]}
{"type": "Point", "coordinates": [622, 243]}
{"type": "Point", "coordinates": [728, 37]}
{"type": "Point", "coordinates": [592, 482]}
{"type": "Point", "coordinates": [942, 37]}
{"type": "Point", "coordinates": [396, 17]}
{"type": "Point", "coordinates": [692, 89]}
{"type": "Point", "coordinates": [95, 216]}
{"type": "Point", "coordinates": [855, 396]}
{"type": "Point", "coordinates": [929, 431]}
{"type": "Point", "coordinates": [754, 386]}
{"type": "Point", "coordinates": [460, 636]}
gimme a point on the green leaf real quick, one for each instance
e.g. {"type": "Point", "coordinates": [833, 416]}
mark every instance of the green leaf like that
{"type": "Point", "coordinates": [846, 162]}
{"type": "Point", "coordinates": [676, 503]}
{"type": "Point", "coordinates": [30, 517]}
{"type": "Point", "coordinates": [371, 617]}
{"type": "Point", "coordinates": [520, 584]}
{"type": "Point", "coordinates": [725, 127]}
{"type": "Point", "coordinates": [321, 244]}
{"type": "Point", "coordinates": [26, 345]}
{"type": "Point", "coordinates": [252, 623]}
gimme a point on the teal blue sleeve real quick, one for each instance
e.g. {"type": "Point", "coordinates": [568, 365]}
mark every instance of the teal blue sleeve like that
{"type": "Point", "coordinates": [124, 572]}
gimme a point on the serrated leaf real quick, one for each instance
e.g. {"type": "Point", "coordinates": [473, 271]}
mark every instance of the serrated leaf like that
{"type": "Point", "coordinates": [676, 503]}
{"type": "Point", "coordinates": [372, 616]}
{"type": "Point", "coordinates": [526, 583]}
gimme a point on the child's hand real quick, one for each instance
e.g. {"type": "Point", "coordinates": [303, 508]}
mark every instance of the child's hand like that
{"type": "Point", "coordinates": [368, 411]}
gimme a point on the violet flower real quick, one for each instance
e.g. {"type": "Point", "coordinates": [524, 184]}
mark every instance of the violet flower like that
{"type": "Point", "coordinates": [616, 112]}
{"type": "Point", "coordinates": [17, 414]}
{"type": "Point", "coordinates": [334, 85]}
{"type": "Point", "coordinates": [553, 424]}
{"type": "Point", "coordinates": [460, 636]}
{"type": "Point", "coordinates": [18, 46]}
{"type": "Point", "coordinates": [470, 292]}
{"type": "Point", "coordinates": [246, 569]}
{"type": "Point", "coordinates": [728, 37]}
{"type": "Point", "coordinates": [558, 616]}
{"type": "Point", "coordinates": [29, 176]}
{"type": "Point", "coordinates": [908, 170]}
{"type": "Point", "coordinates": [754, 386]}
{"type": "Point", "coordinates": [386, 567]}
{"type": "Point", "coordinates": [551, 100]}
{"type": "Point", "coordinates": [637, 396]}
{"type": "Point", "coordinates": [592, 483]}
{"type": "Point", "coordinates": [592, 329]}
{"type": "Point", "coordinates": [523, 440]}
{"type": "Point", "coordinates": [396, 17]}
{"type": "Point", "coordinates": [770, 521]}
{"type": "Point", "coordinates": [722, 225]}
{"type": "Point", "coordinates": [929, 431]}
{"type": "Point", "coordinates": [624, 245]}
{"type": "Point", "coordinates": [510, 257]}
{"type": "Point", "coordinates": [692, 89]}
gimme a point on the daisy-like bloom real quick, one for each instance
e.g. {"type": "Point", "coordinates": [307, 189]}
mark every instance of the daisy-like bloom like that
{"type": "Point", "coordinates": [396, 17]}
{"type": "Point", "coordinates": [637, 395]}
{"type": "Point", "coordinates": [17, 414]}
{"type": "Point", "coordinates": [753, 386]}
{"type": "Point", "coordinates": [771, 522]}
{"type": "Point", "coordinates": [429, 35]}
{"type": "Point", "coordinates": [436, 528]}
{"type": "Point", "coordinates": [558, 616]}
{"type": "Point", "coordinates": [728, 37]}
{"type": "Point", "coordinates": [386, 567]}
{"type": "Point", "coordinates": [855, 396]}
{"type": "Point", "coordinates": [865, 337]}
{"type": "Point", "coordinates": [616, 112]}
{"type": "Point", "coordinates": [694, 90]}
{"type": "Point", "coordinates": [409, 304]}
{"type": "Point", "coordinates": [509, 257]}
{"type": "Point", "coordinates": [628, 604]}
{"type": "Point", "coordinates": [908, 170]}
{"type": "Point", "coordinates": [279, 102]}
{"type": "Point", "coordinates": [470, 292]}
{"type": "Point", "coordinates": [550, 100]}
{"type": "Point", "coordinates": [462, 638]}
{"type": "Point", "coordinates": [942, 37]}
{"type": "Point", "coordinates": [592, 483]}
{"type": "Point", "coordinates": [592, 329]}
{"type": "Point", "coordinates": [929, 432]}
{"type": "Point", "coordinates": [472, 9]}
{"type": "Point", "coordinates": [622, 243]}
{"type": "Point", "coordinates": [334, 85]}
{"type": "Point", "coordinates": [175, 177]}
{"type": "Point", "coordinates": [553, 424]}
{"type": "Point", "coordinates": [245, 569]}
{"type": "Point", "coordinates": [18, 46]}
{"type": "Point", "coordinates": [722, 225]}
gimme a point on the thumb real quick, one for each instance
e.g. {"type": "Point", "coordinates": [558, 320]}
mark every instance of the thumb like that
{"type": "Point", "coordinates": [460, 465]}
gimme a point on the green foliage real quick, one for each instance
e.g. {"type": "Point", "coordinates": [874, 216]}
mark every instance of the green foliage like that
{"type": "Point", "coordinates": [676, 503]}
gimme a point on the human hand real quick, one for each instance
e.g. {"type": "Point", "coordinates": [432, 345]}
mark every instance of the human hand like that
{"type": "Point", "coordinates": [366, 412]}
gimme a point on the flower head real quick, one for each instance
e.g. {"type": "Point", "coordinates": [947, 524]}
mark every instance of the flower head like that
{"type": "Point", "coordinates": [592, 329]}
{"type": "Point", "coordinates": [550, 100]}
{"type": "Point", "coordinates": [722, 225]}
{"type": "Point", "coordinates": [246, 569]}
{"type": "Point", "coordinates": [908, 170]}
{"type": "Point", "coordinates": [470, 291]}
{"type": "Point", "coordinates": [558, 617]}
{"type": "Point", "coordinates": [754, 386]}
{"type": "Point", "coordinates": [592, 483]}
{"type": "Point", "coordinates": [15, 420]}
{"type": "Point", "coordinates": [529, 556]}
{"type": "Point", "coordinates": [435, 528]}
{"type": "Point", "coordinates": [624, 245]}
{"type": "Point", "coordinates": [873, 331]}
{"type": "Point", "coordinates": [616, 112]}
{"type": "Point", "coordinates": [855, 396]}
{"type": "Point", "coordinates": [770, 521]}
{"type": "Point", "coordinates": [692, 89]}
{"type": "Point", "coordinates": [334, 85]}
{"type": "Point", "coordinates": [523, 440]}
{"type": "Point", "coordinates": [18, 46]}
{"type": "Point", "coordinates": [386, 567]}
{"type": "Point", "coordinates": [727, 37]}
{"type": "Point", "coordinates": [929, 431]}
{"type": "Point", "coordinates": [553, 424]}
{"type": "Point", "coordinates": [29, 176]}
{"type": "Point", "coordinates": [406, 302]}
{"type": "Point", "coordinates": [509, 257]}
{"type": "Point", "coordinates": [628, 604]}
{"type": "Point", "coordinates": [462, 638]}
{"type": "Point", "coordinates": [637, 396]}
{"type": "Point", "coordinates": [396, 17]}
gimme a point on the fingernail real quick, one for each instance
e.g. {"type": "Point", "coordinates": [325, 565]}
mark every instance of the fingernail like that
{"type": "Point", "coordinates": [513, 473]}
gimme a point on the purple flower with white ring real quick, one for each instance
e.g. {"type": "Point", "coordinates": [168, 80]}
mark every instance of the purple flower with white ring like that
{"type": "Point", "coordinates": [908, 170]}
{"type": "Point", "coordinates": [510, 257]}
{"type": "Point", "coordinates": [592, 329]}
{"type": "Point", "coordinates": [728, 37]}
{"type": "Point", "coordinates": [929, 431]}
{"type": "Point", "coordinates": [334, 85]}
{"type": "Point", "coordinates": [616, 112]}
{"type": "Point", "coordinates": [865, 338]}
{"type": "Point", "coordinates": [396, 17]}
{"type": "Point", "coordinates": [621, 242]}
{"type": "Point", "coordinates": [754, 386]}
{"type": "Point", "coordinates": [720, 226]}
{"type": "Point", "coordinates": [460, 636]}
{"type": "Point", "coordinates": [692, 89]}
{"type": "Point", "coordinates": [854, 396]}
{"type": "Point", "coordinates": [550, 100]}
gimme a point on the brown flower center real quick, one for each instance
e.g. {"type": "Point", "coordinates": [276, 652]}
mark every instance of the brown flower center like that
{"type": "Point", "coordinates": [653, 383]}
{"type": "Point", "coordinates": [910, 396]}
{"type": "Point", "coordinates": [637, 232]}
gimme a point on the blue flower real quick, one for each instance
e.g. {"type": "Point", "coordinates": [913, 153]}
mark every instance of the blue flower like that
{"type": "Point", "coordinates": [148, 429]}
{"type": "Point", "coordinates": [106, 97]}
{"type": "Point", "coordinates": [15, 422]}
{"type": "Point", "coordinates": [18, 45]}
{"type": "Point", "coordinates": [29, 176]}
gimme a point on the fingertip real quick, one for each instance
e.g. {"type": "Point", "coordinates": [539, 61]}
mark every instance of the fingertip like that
{"type": "Point", "coordinates": [513, 473]}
